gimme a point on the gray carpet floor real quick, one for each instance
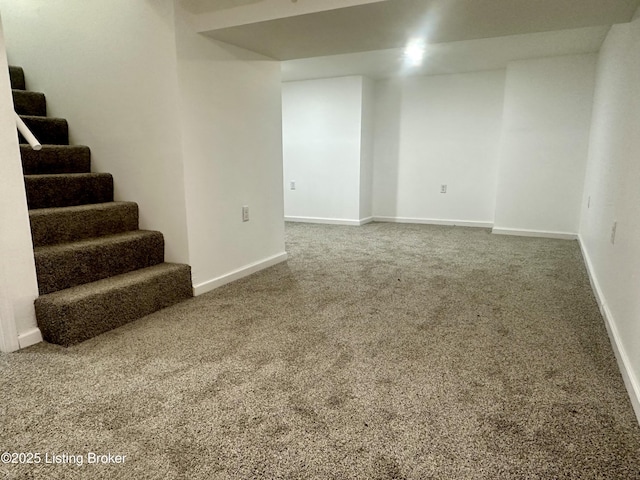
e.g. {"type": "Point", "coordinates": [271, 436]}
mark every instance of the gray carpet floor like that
{"type": "Point", "coordinates": [376, 352]}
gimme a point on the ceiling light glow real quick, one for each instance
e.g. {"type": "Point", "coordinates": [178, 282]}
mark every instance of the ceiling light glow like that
{"type": "Point", "coordinates": [414, 52]}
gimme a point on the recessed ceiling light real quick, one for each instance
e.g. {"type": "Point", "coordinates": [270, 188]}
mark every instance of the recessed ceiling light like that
{"type": "Point", "coordinates": [414, 52]}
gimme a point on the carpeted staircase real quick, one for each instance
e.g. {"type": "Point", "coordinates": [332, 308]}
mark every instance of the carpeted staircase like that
{"type": "Point", "coordinates": [96, 270]}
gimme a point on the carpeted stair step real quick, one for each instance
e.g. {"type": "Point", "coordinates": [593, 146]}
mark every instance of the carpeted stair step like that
{"type": "Point", "coordinates": [29, 103]}
{"type": "Point", "coordinates": [51, 131]}
{"type": "Point", "coordinates": [69, 264]}
{"type": "Point", "coordinates": [55, 159]}
{"type": "Point", "coordinates": [16, 75]}
{"type": "Point", "coordinates": [50, 226]}
{"type": "Point", "coordinates": [68, 189]}
{"type": "Point", "coordinates": [76, 314]}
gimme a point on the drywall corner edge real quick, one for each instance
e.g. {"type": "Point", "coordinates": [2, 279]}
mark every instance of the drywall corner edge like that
{"type": "Point", "coordinates": [245, 271]}
{"type": "Point", "coordinates": [630, 382]}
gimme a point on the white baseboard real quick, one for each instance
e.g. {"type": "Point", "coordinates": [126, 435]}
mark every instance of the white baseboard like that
{"type": "Point", "coordinates": [238, 274]}
{"type": "Point", "coordinates": [30, 337]}
{"type": "Point", "coordinates": [434, 221]}
{"type": "Point", "coordinates": [522, 232]}
{"type": "Point", "coordinates": [630, 381]}
{"type": "Point", "coordinates": [329, 221]}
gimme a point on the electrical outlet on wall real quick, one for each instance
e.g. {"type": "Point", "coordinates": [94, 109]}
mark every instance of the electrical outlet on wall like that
{"type": "Point", "coordinates": [245, 213]}
{"type": "Point", "coordinates": [292, 184]}
{"type": "Point", "coordinates": [443, 188]}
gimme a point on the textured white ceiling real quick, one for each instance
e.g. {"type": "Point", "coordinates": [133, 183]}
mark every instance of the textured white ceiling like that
{"type": "Point", "coordinates": [366, 37]}
{"type": "Point", "coordinates": [391, 23]}
{"type": "Point", "coordinates": [453, 57]}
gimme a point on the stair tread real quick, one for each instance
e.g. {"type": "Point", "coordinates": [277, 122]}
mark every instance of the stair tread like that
{"type": "Point", "coordinates": [124, 237]}
{"type": "Point", "coordinates": [56, 225]}
{"type": "Point", "coordinates": [68, 189]}
{"type": "Point", "coordinates": [29, 103]}
{"type": "Point", "coordinates": [53, 146]}
{"type": "Point", "coordinates": [53, 159]}
{"type": "Point", "coordinates": [121, 281]}
{"type": "Point", "coordinates": [25, 92]}
{"type": "Point", "coordinates": [66, 265]}
{"type": "Point", "coordinates": [67, 175]}
{"type": "Point", "coordinates": [79, 208]}
{"type": "Point", "coordinates": [48, 130]}
{"type": "Point", "coordinates": [39, 118]}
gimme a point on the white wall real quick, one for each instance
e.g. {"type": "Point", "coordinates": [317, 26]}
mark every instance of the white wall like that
{"type": "Point", "coordinates": [438, 130]}
{"type": "Point", "coordinates": [110, 69]}
{"type": "Point", "coordinates": [232, 141]}
{"type": "Point", "coordinates": [322, 137]}
{"type": "Point", "coordinates": [386, 146]}
{"type": "Point", "coordinates": [545, 137]}
{"type": "Point", "coordinates": [367, 137]}
{"type": "Point", "coordinates": [18, 285]}
{"type": "Point", "coordinates": [612, 194]}
{"type": "Point", "coordinates": [512, 155]}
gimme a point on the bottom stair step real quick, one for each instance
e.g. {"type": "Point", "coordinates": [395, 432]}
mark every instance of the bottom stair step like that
{"type": "Point", "coordinates": [76, 314]}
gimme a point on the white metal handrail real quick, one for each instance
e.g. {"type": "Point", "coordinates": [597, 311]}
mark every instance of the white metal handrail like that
{"type": "Point", "coordinates": [27, 134]}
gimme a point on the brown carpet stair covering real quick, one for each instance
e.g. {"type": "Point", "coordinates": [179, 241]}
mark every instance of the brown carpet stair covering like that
{"type": "Point", "coordinates": [68, 189]}
{"type": "Point", "coordinates": [96, 269]}
{"type": "Point", "coordinates": [17, 78]}
{"type": "Point", "coordinates": [82, 222]}
{"type": "Point", "coordinates": [55, 159]}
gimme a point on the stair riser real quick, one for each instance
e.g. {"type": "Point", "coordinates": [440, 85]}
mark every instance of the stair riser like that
{"type": "Point", "coordinates": [68, 190]}
{"type": "Point", "coordinates": [68, 323]}
{"type": "Point", "coordinates": [50, 131]}
{"type": "Point", "coordinates": [58, 159]}
{"type": "Point", "coordinates": [59, 269]}
{"type": "Point", "coordinates": [29, 103]}
{"type": "Point", "coordinates": [16, 75]}
{"type": "Point", "coordinates": [54, 226]}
